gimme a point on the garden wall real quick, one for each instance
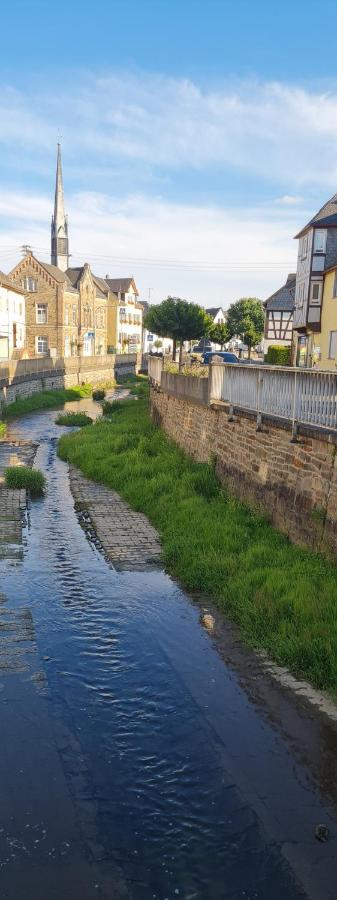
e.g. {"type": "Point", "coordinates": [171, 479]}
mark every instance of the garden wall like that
{"type": "Point", "coordinates": [22, 378]}
{"type": "Point", "coordinates": [295, 484]}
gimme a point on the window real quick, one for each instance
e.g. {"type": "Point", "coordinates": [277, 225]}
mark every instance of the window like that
{"type": "Point", "coordinates": [334, 291]}
{"type": "Point", "coordinates": [66, 315]}
{"type": "Point", "coordinates": [74, 315]}
{"type": "Point", "coordinates": [100, 318]}
{"type": "Point", "coordinates": [319, 241]}
{"type": "Point", "coordinates": [303, 248]}
{"type": "Point", "coordinates": [332, 344]}
{"type": "Point", "coordinates": [87, 316]}
{"type": "Point", "coordinates": [315, 294]}
{"type": "Point", "coordinates": [41, 313]}
{"type": "Point", "coordinates": [42, 345]}
{"type": "Point", "coordinates": [20, 309]}
{"type": "Point", "coordinates": [29, 284]}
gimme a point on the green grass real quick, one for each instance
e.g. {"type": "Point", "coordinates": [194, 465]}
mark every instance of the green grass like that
{"type": "Point", "coordinates": [2, 430]}
{"type": "Point", "coordinates": [46, 400]}
{"type": "Point", "coordinates": [72, 418]}
{"type": "Point", "coordinates": [284, 598]}
{"type": "Point", "coordinates": [138, 385]}
{"type": "Point", "coordinates": [21, 477]}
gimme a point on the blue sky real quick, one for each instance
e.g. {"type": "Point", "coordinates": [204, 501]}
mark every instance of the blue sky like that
{"type": "Point", "coordinates": [198, 133]}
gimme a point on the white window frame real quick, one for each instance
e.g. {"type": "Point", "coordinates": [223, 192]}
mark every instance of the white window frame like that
{"type": "Point", "coordinates": [42, 339]}
{"type": "Point", "coordinates": [322, 232]}
{"type": "Point", "coordinates": [315, 301]}
{"type": "Point", "coordinates": [29, 283]}
{"type": "Point", "coordinates": [66, 315]}
{"type": "Point", "coordinates": [39, 307]}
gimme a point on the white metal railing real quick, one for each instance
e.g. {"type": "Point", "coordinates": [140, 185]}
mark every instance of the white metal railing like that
{"type": "Point", "coordinates": [299, 395]}
{"type": "Point", "coordinates": [155, 368]}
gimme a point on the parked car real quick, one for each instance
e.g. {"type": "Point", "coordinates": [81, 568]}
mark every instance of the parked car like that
{"type": "Point", "coordinates": [202, 347]}
{"type": "Point", "coordinates": [225, 355]}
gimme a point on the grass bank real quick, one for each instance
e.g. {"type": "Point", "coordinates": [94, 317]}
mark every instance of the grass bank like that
{"type": "Point", "coordinates": [283, 597]}
{"type": "Point", "coordinates": [46, 400]}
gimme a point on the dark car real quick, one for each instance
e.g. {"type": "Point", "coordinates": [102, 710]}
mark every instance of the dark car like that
{"type": "Point", "coordinates": [224, 354]}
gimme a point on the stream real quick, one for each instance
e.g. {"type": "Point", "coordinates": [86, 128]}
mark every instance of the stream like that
{"type": "Point", "coordinates": [138, 759]}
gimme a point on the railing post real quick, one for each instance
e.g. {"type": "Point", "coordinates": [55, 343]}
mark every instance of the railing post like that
{"type": "Point", "coordinates": [210, 383]}
{"type": "Point", "coordinates": [294, 427]}
{"type": "Point", "coordinates": [258, 411]}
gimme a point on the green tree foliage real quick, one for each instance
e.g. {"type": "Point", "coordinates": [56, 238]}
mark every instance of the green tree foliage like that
{"type": "Point", "coordinates": [218, 333]}
{"type": "Point", "coordinates": [246, 318]}
{"type": "Point", "coordinates": [177, 319]}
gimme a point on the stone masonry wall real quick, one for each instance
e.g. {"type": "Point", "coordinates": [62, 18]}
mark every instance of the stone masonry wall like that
{"type": "Point", "coordinates": [295, 484]}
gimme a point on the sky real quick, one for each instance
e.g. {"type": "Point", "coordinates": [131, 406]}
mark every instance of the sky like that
{"type": "Point", "coordinates": [197, 137]}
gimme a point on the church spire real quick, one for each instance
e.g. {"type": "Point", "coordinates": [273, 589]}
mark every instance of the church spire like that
{"type": "Point", "coordinates": [59, 224]}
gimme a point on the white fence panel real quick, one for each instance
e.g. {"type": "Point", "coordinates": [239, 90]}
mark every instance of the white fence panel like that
{"type": "Point", "coordinates": [298, 395]}
{"type": "Point", "coordinates": [155, 368]}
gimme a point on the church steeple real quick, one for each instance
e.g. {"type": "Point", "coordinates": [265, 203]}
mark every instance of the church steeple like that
{"type": "Point", "coordinates": [59, 222]}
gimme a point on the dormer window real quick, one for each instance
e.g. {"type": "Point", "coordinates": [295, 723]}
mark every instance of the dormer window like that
{"type": "Point", "coordinates": [319, 240]}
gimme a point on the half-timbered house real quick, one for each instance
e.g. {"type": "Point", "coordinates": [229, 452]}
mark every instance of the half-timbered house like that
{"type": "Point", "coordinates": [279, 315]}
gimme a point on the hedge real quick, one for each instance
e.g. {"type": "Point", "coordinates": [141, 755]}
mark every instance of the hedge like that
{"type": "Point", "coordinates": [278, 356]}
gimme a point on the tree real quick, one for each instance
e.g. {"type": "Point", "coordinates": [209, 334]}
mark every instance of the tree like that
{"type": "Point", "coordinates": [246, 318]}
{"type": "Point", "coordinates": [218, 333]}
{"type": "Point", "coordinates": [177, 319]}
{"type": "Point", "coordinates": [158, 343]}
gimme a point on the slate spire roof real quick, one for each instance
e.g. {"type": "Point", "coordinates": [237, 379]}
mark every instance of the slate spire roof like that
{"type": "Point", "coordinates": [59, 212]}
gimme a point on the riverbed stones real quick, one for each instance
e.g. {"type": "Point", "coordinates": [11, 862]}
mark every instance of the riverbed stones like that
{"type": "Point", "coordinates": [126, 536]}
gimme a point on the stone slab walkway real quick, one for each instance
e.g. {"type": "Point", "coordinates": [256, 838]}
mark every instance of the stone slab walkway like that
{"type": "Point", "coordinates": [12, 508]}
{"type": "Point", "coordinates": [125, 536]}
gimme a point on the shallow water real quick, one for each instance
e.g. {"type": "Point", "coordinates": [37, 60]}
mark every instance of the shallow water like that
{"type": "Point", "coordinates": [133, 751]}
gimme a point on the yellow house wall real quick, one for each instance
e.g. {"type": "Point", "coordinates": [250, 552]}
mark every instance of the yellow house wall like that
{"type": "Point", "coordinates": [329, 321]}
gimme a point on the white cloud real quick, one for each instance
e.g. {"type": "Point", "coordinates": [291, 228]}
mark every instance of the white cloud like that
{"type": "Point", "coordinates": [290, 200]}
{"type": "Point", "coordinates": [207, 254]}
{"type": "Point", "coordinates": [274, 131]}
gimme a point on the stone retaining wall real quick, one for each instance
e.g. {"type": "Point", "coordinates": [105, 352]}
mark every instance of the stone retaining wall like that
{"type": "Point", "coordinates": [295, 484]}
{"type": "Point", "coordinates": [23, 378]}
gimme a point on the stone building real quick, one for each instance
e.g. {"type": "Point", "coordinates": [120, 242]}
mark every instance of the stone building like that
{"type": "Point", "coordinates": [52, 308]}
{"type": "Point", "coordinates": [69, 310]}
{"type": "Point", "coordinates": [93, 298]}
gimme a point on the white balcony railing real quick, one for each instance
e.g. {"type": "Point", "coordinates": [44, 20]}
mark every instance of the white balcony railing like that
{"type": "Point", "coordinates": [299, 395]}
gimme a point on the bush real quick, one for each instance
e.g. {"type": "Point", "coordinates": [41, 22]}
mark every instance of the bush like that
{"type": "Point", "coordinates": [98, 394]}
{"type": "Point", "coordinates": [2, 430]}
{"type": "Point", "coordinates": [22, 477]}
{"type": "Point", "coordinates": [278, 356]}
{"type": "Point", "coordinates": [73, 418]}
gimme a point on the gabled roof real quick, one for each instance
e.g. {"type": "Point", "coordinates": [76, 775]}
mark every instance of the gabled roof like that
{"type": "Point", "coordinates": [325, 217]}
{"type": "Point", "coordinates": [75, 275]}
{"type": "Point", "coordinates": [121, 284]}
{"type": "Point", "coordinates": [57, 273]}
{"type": "Point", "coordinates": [53, 271]}
{"type": "Point", "coordinates": [213, 311]}
{"type": "Point", "coordinates": [284, 298]}
{"type": "Point", "coordinates": [6, 282]}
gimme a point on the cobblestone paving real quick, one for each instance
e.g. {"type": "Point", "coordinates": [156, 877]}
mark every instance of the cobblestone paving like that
{"type": "Point", "coordinates": [16, 453]}
{"type": "Point", "coordinates": [12, 507]}
{"type": "Point", "coordinates": [125, 536]}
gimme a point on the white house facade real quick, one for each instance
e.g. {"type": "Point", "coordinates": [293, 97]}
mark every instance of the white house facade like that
{"type": "Point", "coordinates": [12, 318]}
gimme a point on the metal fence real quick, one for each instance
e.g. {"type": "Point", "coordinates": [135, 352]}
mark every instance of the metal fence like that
{"type": "Point", "coordinates": [299, 395]}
